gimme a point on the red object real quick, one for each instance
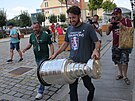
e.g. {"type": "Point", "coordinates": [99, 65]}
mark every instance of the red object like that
{"type": "Point", "coordinates": [59, 30]}
{"type": "Point", "coordinates": [52, 28]}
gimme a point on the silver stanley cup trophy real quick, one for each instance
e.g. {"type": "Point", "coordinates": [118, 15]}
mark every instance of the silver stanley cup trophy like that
{"type": "Point", "coordinates": [65, 71]}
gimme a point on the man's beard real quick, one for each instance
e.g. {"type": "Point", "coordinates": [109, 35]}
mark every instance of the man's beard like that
{"type": "Point", "coordinates": [37, 32]}
{"type": "Point", "coordinates": [76, 23]}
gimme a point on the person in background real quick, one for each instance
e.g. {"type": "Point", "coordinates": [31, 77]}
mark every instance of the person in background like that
{"type": "Point", "coordinates": [96, 26]}
{"type": "Point", "coordinates": [49, 31]}
{"type": "Point", "coordinates": [53, 32]}
{"type": "Point", "coordinates": [57, 25]}
{"type": "Point", "coordinates": [59, 30]}
{"type": "Point", "coordinates": [14, 42]}
{"type": "Point", "coordinates": [80, 36]}
{"type": "Point", "coordinates": [40, 41]}
{"type": "Point", "coordinates": [119, 56]}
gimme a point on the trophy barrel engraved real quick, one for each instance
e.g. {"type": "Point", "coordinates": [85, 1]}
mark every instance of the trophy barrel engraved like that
{"type": "Point", "coordinates": [94, 69]}
{"type": "Point", "coordinates": [63, 71]}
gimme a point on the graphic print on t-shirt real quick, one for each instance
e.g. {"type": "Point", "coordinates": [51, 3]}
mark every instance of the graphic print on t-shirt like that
{"type": "Point", "coordinates": [75, 43]}
{"type": "Point", "coordinates": [74, 37]}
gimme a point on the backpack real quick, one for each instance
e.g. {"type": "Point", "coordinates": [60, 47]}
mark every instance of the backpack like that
{"type": "Point", "coordinates": [18, 36]}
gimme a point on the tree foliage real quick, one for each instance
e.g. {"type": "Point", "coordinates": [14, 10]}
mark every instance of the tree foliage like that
{"type": "Point", "coordinates": [14, 21]}
{"type": "Point", "coordinates": [40, 18]}
{"type": "Point", "coordinates": [94, 5]}
{"type": "Point", "coordinates": [65, 2]}
{"type": "Point", "coordinates": [62, 17]}
{"type": "Point", "coordinates": [24, 19]}
{"type": "Point", "coordinates": [53, 18]}
{"type": "Point", "coordinates": [2, 18]}
{"type": "Point", "coordinates": [108, 6]}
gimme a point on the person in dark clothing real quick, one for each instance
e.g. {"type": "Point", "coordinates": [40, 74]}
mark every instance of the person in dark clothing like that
{"type": "Point", "coordinates": [80, 36]}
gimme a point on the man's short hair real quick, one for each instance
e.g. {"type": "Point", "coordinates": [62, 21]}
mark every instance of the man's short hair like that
{"type": "Point", "coordinates": [74, 10]}
{"type": "Point", "coordinates": [10, 24]}
{"type": "Point", "coordinates": [36, 23]}
{"type": "Point", "coordinates": [96, 15]}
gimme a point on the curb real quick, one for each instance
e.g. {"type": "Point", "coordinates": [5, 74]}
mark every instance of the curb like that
{"type": "Point", "coordinates": [133, 91]}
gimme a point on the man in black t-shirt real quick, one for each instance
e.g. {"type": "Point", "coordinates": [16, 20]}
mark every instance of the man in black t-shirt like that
{"type": "Point", "coordinates": [80, 36]}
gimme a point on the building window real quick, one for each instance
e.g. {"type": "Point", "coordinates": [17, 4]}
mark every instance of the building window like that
{"type": "Point", "coordinates": [46, 4]}
{"type": "Point", "coordinates": [47, 12]}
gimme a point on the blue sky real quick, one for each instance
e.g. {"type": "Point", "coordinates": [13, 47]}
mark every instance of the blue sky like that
{"type": "Point", "coordinates": [14, 7]}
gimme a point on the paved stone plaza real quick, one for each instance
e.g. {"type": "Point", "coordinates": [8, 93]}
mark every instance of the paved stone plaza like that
{"type": "Point", "coordinates": [24, 87]}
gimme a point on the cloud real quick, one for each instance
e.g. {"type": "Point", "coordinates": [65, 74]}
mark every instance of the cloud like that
{"type": "Point", "coordinates": [125, 4]}
{"type": "Point", "coordinates": [11, 13]}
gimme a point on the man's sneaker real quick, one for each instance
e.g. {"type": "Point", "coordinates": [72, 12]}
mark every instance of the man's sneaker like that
{"type": "Point", "coordinates": [39, 96]}
{"type": "Point", "coordinates": [10, 60]}
{"type": "Point", "coordinates": [20, 60]}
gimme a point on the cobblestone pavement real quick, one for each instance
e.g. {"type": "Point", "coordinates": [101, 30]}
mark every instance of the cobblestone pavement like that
{"type": "Point", "coordinates": [23, 87]}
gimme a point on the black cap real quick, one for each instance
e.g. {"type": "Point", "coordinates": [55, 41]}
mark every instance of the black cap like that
{"type": "Point", "coordinates": [10, 24]}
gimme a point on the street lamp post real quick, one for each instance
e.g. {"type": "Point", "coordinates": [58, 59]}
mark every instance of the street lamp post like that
{"type": "Point", "coordinates": [66, 4]}
{"type": "Point", "coordinates": [43, 17]}
{"type": "Point", "coordinates": [83, 11]}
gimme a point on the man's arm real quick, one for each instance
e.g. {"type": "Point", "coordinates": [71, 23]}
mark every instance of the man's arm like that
{"type": "Point", "coordinates": [13, 33]}
{"type": "Point", "coordinates": [96, 52]}
{"type": "Point", "coordinates": [13, 36]}
{"type": "Point", "coordinates": [61, 49]}
{"type": "Point", "coordinates": [109, 29]}
{"type": "Point", "coordinates": [27, 48]}
{"type": "Point", "coordinates": [99, 31]}
{"type": "Point", "coordinates": [51, 49]}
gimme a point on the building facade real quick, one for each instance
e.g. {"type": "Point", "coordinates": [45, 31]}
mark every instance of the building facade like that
{"type": "Point", "coordinates": [56, 7]}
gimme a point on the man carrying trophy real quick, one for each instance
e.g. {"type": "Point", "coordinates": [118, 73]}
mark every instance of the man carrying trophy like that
{"type": "Point", "coordinates": [120, 55]}
{"type": "Point", "coordinates": [40, 41]}
{"type": "Point", "coordinates": [80, 36]}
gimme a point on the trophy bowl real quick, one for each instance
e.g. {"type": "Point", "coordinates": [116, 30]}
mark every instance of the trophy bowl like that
{"type": "Point", "coordinates": [65, 71]}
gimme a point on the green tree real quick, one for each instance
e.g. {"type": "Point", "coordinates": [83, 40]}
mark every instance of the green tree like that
{"type": "Point", "coordinates": [2, 18]}
{"type": "Point", "coordinates": [108, 6]}
{"type": "Point", "coordinates": [24, 19]}
{"type": "Point", "coordinates": [65, 2]}
{"type": "Point", "coordinates": [62, 17]}
{"type": "Point", "coordinates": [94, 5]}
{"type": "Point", "coordinates": [13, 21]}
{"type": "Point", "coordinates": [40, 18]}
{"type": "Point", "coordinates": [53, 18]}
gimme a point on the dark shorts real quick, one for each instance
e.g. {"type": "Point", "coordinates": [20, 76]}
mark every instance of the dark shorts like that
{"type": "Point", "coordinates": [15, 46]}
{"type": "Point", "coordinates": [120, 56]}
